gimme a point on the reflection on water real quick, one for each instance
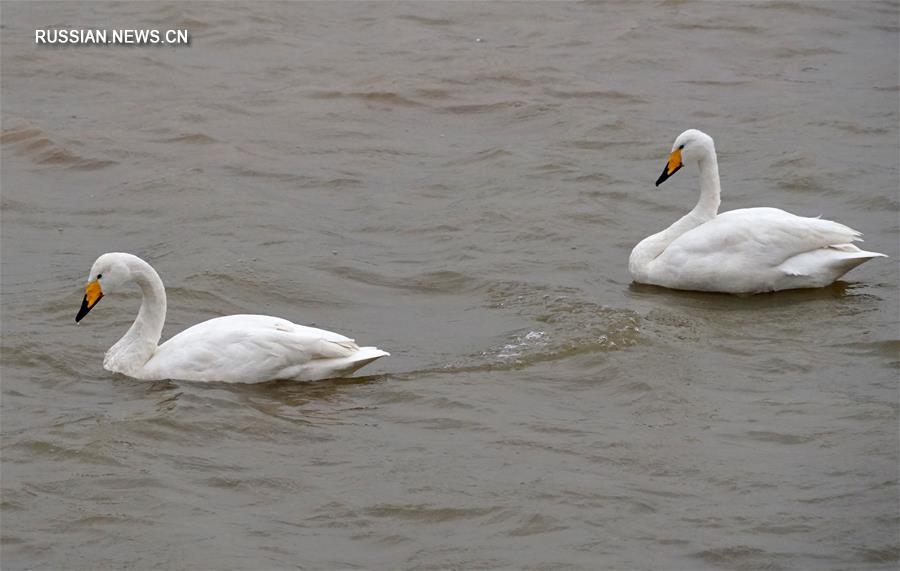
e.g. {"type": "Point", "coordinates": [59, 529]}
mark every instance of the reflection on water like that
{"type": "Point", "coordinates": [739, 302]}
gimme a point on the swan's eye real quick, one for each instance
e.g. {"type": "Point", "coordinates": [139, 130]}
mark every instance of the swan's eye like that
{"type": "Point", "coordinates": [99, 276]}
{"type": "Point", "coordinates": [681, 147]}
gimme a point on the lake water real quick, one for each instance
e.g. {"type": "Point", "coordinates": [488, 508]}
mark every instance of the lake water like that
{"type": "Point", "coordinates": [460, 184]}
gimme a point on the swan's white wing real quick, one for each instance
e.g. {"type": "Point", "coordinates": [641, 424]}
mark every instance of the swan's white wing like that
{"type": "Point", "coordinates": [743, 250]}
{"type": "Point", "coordinates": [252, 348]}
{"type": "Point", "coordinates": [760, 236]}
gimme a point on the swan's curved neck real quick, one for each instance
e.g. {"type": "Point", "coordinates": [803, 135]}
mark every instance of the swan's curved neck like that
{"type": "Point", "coordinates": [710, 189]}
{"type": "Point", "coordinates": [706, 209]}
{"type": "Point", "coordinates": [136, 347]}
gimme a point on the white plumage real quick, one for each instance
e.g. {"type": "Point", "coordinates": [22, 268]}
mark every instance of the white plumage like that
{"type": "Point", "coordinates": [235, 349]}
{"type": "Point", "coordinates": [750, 250]}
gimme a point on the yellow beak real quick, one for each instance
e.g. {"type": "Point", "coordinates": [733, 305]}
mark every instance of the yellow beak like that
{"type": "Point", "coordinates": [92, 294]}
{"type": "Point", "coordinates": [672, 165]}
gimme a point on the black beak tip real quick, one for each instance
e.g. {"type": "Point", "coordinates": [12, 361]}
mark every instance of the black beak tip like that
{"type": "Point", "coordinates": [662, 178]}
{"type": "Point", "coordinates": [666, 174]}
{"type": "Point", "coordinates": [84, 310]}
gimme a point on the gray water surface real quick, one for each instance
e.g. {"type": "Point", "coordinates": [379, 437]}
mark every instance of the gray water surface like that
{"type": "Point", "coordinates": [460, 184]}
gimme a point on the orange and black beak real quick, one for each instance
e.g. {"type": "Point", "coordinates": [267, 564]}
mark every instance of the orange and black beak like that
{"type": "Point", "coordinates": [92, 294]}
{"type": "Point", "coordinates": [674, 163]}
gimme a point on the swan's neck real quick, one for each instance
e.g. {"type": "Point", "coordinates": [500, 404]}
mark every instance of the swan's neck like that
{"type": "Point", "coordinates": [710, 189]}
{"type": "Point", "coordinates": [136, 347]}
{"type": "Point", "coordinates": [706, 209]}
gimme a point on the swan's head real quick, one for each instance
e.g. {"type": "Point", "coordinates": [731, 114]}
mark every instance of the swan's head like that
{"type": "Point", "coordinates": [689, 147]}
{"type": "Point", "coordinates": [109, 273]}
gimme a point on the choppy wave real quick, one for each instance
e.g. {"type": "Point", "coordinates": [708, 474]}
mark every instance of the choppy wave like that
{"type": "Point", "coordinates": [29, 140]}
{"type": "Point", "coordinates": [565, 325]}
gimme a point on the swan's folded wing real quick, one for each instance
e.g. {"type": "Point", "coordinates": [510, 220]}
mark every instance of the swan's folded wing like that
{"type": "Point", "coordinates": [322, 344]}
{"type": "Point", "coordinates": [246, 347]}
{"type": "Point", "coordinates": [763, 237]}
{"type": "Point", "coordinates": [276, 334]}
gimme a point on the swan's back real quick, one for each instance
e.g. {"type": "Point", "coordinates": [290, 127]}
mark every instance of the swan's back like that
{"type": "Point", "coordinates": [256, 348]}
{"type": "Point", "coordinates": [764, 233]}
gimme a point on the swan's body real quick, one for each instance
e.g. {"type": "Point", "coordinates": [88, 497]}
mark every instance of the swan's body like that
{"type": "Point", "coordinates": [750, 250]}
{"type": "Point", "coordinates": [235, 349]}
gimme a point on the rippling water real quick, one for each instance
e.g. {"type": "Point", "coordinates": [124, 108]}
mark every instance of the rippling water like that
{"type": "Point", "coordinates": [460, 184]}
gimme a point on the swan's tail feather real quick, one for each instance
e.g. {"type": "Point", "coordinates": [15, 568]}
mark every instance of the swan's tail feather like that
{"type": "Point", "coordinates": [825, 265]}
{"type": "Point", "coordinates": [338, 367]}
{"type": "Point", "coordinates": [366, 355]}
{"type": "Point", "coordinates": [849, 260]}
{"type": "Point", "coordinates": [347, 365]}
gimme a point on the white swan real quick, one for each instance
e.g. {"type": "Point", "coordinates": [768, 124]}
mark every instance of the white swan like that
{"type": "Point", "coordinates": [750, 250]}
{"type": "Point", "coordinates": [234, 349]}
